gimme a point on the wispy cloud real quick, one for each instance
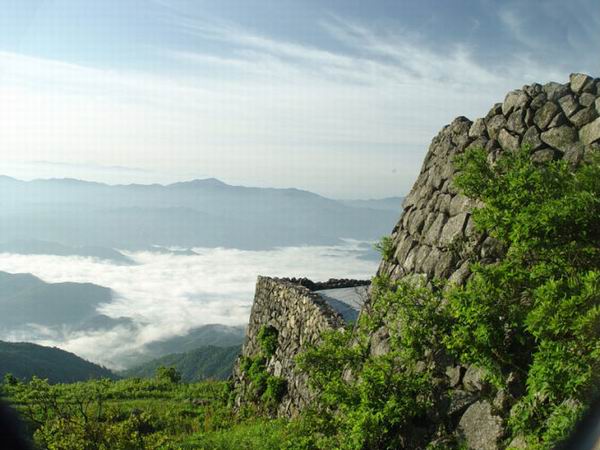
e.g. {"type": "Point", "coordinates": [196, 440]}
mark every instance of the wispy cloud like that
{"type": "Point", "coordinates": [301, 115]}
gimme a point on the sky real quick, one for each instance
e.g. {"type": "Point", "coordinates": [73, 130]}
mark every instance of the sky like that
{"type": "Point", "coordinates": [339, 97]}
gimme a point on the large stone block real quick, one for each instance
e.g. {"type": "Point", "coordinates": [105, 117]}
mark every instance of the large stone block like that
{"type": "Point", "coordinates": [590, 132]}
{"type": "Point", "coordinates": [515, 100]}
{"type": "Point", "coordinates": [560, 138]}
{"type": "Point", "coordinates": [481, 428]}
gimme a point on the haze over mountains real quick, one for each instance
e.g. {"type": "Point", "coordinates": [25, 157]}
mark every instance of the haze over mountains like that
{"type": "Point", "coordinates": [27, 300]}
{"type": "Point", "coordinates": [198, 213]}
{"type": "Point", "coordinates": [124, 274]}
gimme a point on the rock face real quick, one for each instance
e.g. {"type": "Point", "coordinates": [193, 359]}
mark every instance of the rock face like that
{"type": "Point", "coordinates": [299, 315]}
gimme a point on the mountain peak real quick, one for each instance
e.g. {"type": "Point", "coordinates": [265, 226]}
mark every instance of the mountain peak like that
{"type": "Point", "coordinates": [204, 182]}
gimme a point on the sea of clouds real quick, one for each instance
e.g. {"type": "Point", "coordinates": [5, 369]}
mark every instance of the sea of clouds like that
{"type": "Point", "coordinates": [167, 295]}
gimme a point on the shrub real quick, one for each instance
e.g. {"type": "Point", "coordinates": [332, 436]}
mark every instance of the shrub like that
{"type": "Point", "coordinates": [385, 247]}
{"type": "Point", "coordinates": [275, 390]}
{"type": "Point", "coordinates": [267, 338]}
{"type": "Point", "coordinates": [537, 312]}
{"type": "Point", "coordinates": [534, 315]}
{"type": "Point", "coordinates": [168, 374]}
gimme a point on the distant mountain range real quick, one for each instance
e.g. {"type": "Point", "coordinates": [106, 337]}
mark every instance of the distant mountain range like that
{"type": "Point", "coordinates": [23, 360]}
{"type": "Point", "coordinates": [203, 363]}
{"type": "Point", "coordinates": [386, 204]}
{"type": "Point", "coordinates": [203, 213]}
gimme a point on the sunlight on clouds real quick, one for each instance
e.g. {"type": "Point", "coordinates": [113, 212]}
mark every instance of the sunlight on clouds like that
{"type": "Point", "coordinates": [302, 116]}
{"type": "Point", "coordinates": [167, 294]}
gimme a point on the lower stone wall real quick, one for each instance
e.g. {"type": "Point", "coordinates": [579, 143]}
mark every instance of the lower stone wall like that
{"type": "Point", "coordinates": [300, 316]}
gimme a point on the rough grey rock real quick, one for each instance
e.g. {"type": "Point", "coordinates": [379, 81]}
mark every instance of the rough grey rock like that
{"type": "Point", "coordinates": [560, 138]}
{"type": "Point", "coordinates": [543, 155]}
{"type": "Point", "coordinates": [554, 91]}
{"type": "Point", "coordinates": [590, 132]}
{"type": "Point", "coordinates": [508, 141]}
{"type": "Point", "coordinates": [545, 114]}
{"type": "Point", "coordinates": [558, 120]}
{"type": "Point", "coordinates": [482, 429]}
{"type": "Point", "coordinates": [532, 138]}
{"type": "Point", "coordinates": [454, 374]}
{"type": "Point", "coordinates": [580, 82]}
{"type": "Point", "coordinates": [516, 121]}
{"type": "Point", "coordinates": [586, 99]}
{"type": "Point", "coordinates": [495, 124]}
{"type": "Point", "coordinates": [568, 104]}
{"type": "Point", "coordinates": [453, 229]}
{"type": "Point", "coordinates": [459, 401]}
{"type": "Point", "coordinates": [380, 342]}
{"type": "Point", "coordinates": [584, 116]}
{"type": "Point", "coordinates": [538, 101]}
{"type": "Point", "coordinates": [477, 129]}
{"type": "Point", "coordinates": [300, 316]}
{"type": "Point", "coordinates": [514, 100]}
{"type": "Point", "coordinates": [474, 379]}
{"type": "Point", "coordinates": [574, 154]}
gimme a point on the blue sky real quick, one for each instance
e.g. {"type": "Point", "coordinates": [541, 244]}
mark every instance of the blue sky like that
{"type": "Point", "coordinates": [341, 97]}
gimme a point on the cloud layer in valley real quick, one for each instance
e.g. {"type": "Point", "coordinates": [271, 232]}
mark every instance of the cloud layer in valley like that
{"type": "Point", "coordinates": [167, 295]}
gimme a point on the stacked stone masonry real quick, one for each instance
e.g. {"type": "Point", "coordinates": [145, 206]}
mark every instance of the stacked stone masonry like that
{"type": "Point", "coordinates": [435, 236]}
{"type": "Point", "coordinates": [300, 316]}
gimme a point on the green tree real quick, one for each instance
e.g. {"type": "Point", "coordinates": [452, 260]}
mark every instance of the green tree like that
{"type": "Point", "coordinates": [168, 374]}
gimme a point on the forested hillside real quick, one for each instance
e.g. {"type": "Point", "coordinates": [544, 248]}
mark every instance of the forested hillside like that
{"type": "Point", "coordinates": [24, 360]}
{"type": "Point", "coordinates": [204, 363]}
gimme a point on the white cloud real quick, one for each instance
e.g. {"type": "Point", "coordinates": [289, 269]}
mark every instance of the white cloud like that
{"type": "Point", "coordinates": [331, 121]}
{"type": "Point", "coordinates": [169, 294]}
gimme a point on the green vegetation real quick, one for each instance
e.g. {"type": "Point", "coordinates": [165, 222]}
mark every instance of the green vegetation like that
{"type": "Point", "coordinates": [373, 401]}
{"type": "Point", "coordinates": [267, 337]}
{"type": "Point", "coordinates": [24, 360]}
{"type": "Point", "coordinates": [537, 312]}
{"type": "Point", "coordinates": [136, 414]}
{"type": "Point", "coordinates": [266, 390]}
{"type": "Point", "coordinates": [208, 362]}
{"type": "Point", "coordinates": [533, 317]}
{"type": "Point", "coordinates": [385, 247]}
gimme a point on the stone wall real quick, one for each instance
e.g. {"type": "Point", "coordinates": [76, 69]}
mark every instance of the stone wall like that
{"type": "Point", "coordinates": [300, 316]}
{"type": "Point", "coordinates": [434, 236]}
{"type": "Point", "coordinates": [555, 120]}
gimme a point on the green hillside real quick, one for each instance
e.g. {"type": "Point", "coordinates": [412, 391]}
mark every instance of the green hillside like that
{"type": "Point", "coordinates": [210, 362]}
{"type": "Point", "coordinates": [25, 360]}
{"type": "Point", "coordinates": [25, 298]}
